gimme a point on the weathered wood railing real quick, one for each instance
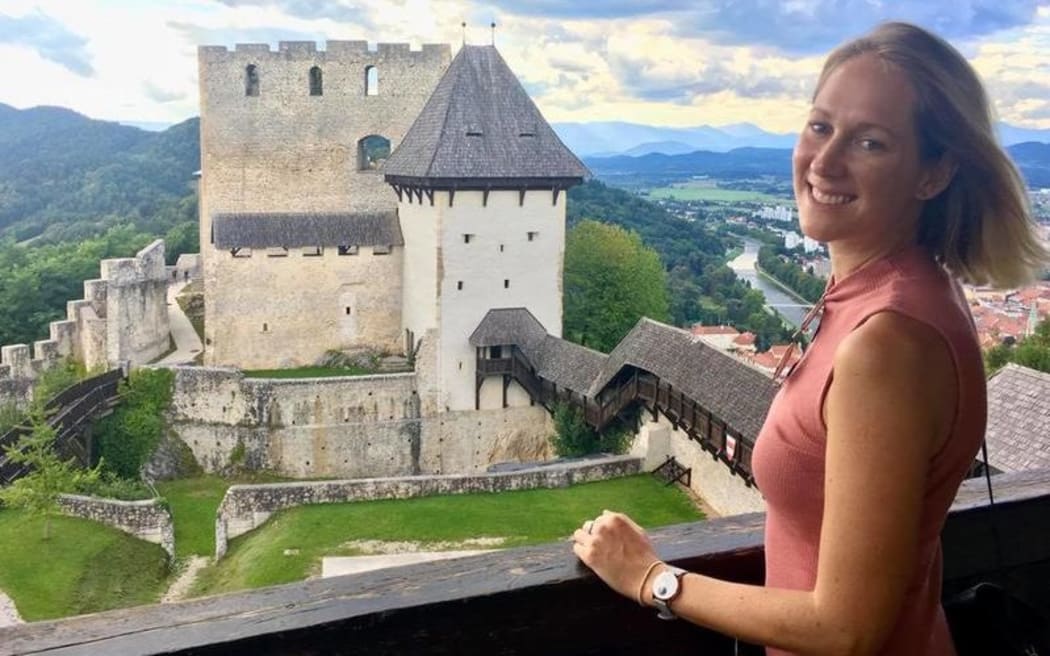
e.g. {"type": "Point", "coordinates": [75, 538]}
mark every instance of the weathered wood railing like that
{"type": "Point", "coordinates": [712, 433]}
{"type": "Point", "coordinates": [68, 412]}
{"type": "Point", "coordinates": [535, 600]}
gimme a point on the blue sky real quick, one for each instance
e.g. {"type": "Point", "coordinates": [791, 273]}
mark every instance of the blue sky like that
{"type": "Point", "coordinates": [662, 62]}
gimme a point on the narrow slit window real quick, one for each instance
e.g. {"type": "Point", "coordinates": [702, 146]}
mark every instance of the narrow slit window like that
{"type": "Point", "coordinates": [532, 236]}
{"type": "Point", "coordinates": [348, 310]}
{"type": "Point", "coordinates": [371, 81]}
{"type": "Point", "coordinates": [266, 328]}
{"type": "Point", "coordinates": [316, 82]}
{"type": "Point", "coordinates": [467, 238]}
{"type": "Point", "coordinates": [506, 284]}
{"type": "Point", "coordinates": [459, 285]}
{"type": "Point", "coordinates": [251, 80]}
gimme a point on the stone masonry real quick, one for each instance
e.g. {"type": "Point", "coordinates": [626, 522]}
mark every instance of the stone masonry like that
{"type": "Point", "coordinates": [149, 520]}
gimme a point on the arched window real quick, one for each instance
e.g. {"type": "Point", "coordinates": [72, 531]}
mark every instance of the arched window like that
{"type": "Point", "coordinates": [251, 81]}
{"type": "Point", "coordinates": [371, 81]}
{"type": "Point", "coordinates": [316, 83]}
{"type": "Point", "coordinates": [372, 151]}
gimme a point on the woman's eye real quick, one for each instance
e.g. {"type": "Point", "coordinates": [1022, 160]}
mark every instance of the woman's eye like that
{"type": "Point", "coordinates": [818, 128]}
{"type": "Point", "coordinates": [869, 144]}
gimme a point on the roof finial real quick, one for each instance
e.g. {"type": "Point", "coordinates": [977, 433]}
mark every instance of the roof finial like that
{"type": "Point", "coordinates": [494, 33]}
{"type": "Point", "coordinates": [464, 32]}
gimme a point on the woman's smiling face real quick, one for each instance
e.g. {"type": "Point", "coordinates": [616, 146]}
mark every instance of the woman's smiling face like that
{"type": "Point", "coordinates": [857, 171]}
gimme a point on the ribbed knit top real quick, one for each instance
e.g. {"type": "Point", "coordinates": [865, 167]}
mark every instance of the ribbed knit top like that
{"type": "Point", "coordinates": [789, 457]}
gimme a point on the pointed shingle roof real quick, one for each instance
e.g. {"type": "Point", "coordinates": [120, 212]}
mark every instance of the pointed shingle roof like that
{"type": "Point", "coordinates": [480, 125]}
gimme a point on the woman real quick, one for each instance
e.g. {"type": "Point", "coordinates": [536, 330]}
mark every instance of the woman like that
{"type": "Point", "coordinates": [865, 445]}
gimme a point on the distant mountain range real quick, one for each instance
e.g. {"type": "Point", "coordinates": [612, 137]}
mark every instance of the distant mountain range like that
{"type": "Point", "coordinates": [609, 138]}
{"type": "Point", "coordinates": [1032, 158]}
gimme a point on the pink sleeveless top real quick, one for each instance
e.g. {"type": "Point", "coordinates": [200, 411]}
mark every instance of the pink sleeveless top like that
{"type": "Point", "coordinates": [788, 461]}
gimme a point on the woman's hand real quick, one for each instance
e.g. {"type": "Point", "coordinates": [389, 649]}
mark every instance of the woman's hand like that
{"type": "Point", "coordinates": [617, 550]}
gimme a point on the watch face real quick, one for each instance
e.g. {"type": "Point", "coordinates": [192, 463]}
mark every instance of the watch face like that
{"type": "Point", "coordinates": [665, 586]}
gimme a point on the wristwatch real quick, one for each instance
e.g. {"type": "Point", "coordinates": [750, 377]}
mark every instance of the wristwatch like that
{"type": "Point", "coordinates": [666, 587]}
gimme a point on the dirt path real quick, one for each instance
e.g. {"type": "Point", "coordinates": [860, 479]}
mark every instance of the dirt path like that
{"type": "Point", "coordinates": [8, 613]}
{"type": "Point", "coordinates": [181, 586]}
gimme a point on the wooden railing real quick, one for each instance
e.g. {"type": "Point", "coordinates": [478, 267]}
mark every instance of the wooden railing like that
{"type": "Point", "coordinates": [714, 435]}
{"type": "Point", "coordinates": [68, 413]}
{"type": "Point", "coordinates": [532, 600]}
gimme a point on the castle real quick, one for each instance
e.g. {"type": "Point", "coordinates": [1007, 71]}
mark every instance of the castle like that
{"type": "Point", "coordinates": [311, 242]}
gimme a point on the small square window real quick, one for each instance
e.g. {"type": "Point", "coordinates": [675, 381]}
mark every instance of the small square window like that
{"type": "Point", "coordinates": [533, 235]}
{"type": "Point", "coordinates": [459, 284]}
{"type": "Point", "coordinates": [266, 328]}
{"type": "Point", "coordinates": [348, 250]}
{"type": "Point", "coordinates": [467, 238]}
{"type": "Point", "coordinates": [313, 251]}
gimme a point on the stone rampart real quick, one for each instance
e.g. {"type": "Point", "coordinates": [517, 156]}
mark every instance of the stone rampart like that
{"type": "Point", "coordinates": [246, 507]}
{"type": "Point", "coordinates": [123, 317]}
{"type": "Point", "coordinates": [149, 520]}
{"type": "Point", "coordinates": [347, 427]}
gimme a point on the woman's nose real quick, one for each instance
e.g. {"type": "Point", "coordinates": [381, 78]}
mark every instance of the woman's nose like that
{"type": "Point", "coordinates": [828, 159]}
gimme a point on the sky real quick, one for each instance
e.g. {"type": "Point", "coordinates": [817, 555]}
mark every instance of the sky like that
{"type": "Point", "coordinates": [658, 62]}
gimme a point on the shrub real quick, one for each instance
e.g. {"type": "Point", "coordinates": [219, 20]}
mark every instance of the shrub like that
{"type": "Point", "coordinates": [573, 437]}
{"type": "Point", "coordinates": [128, 436]}
{"type": "Point", "coordinates": [110, 486]}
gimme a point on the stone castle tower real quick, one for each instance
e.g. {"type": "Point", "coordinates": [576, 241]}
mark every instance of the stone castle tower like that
{"type": "Point", "coordinates": [300, 245]}
{"type": "Point", "coordinates": [312, 239]}
{"type": "Point", "coordinates": [480, 179]}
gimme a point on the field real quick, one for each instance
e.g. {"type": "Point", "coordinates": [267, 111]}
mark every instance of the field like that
{"type": "Point", "coordinates": [290, 546]}
{"type": "Point", "coordinates": [705, 190]}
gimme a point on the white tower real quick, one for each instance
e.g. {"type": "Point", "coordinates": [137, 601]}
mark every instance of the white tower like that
{"type": "Point", "coordinates": [481, 180]}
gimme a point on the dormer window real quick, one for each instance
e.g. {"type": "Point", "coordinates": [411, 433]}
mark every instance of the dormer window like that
{"type": "Point", "coordinates": [474, 131]}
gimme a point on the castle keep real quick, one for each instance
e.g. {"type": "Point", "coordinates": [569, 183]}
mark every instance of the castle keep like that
{"type": "Point", "coordinates": [312, 240]}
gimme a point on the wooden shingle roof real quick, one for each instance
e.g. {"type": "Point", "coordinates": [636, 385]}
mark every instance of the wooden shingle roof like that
{"type": "Point", "coordinates": [1018, 431]}
{"type": "Point", "coordinates": [738, 394]}
{"type": "Point", "coordinates": [480, 124]}
{"type": "Point", "coordinates": [297, 230]}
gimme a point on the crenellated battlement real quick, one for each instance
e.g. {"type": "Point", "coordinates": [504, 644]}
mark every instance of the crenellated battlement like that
{"type": "Point", "coordinates": [333, 51]}
{"type": "Point", "coordinates": [122, 317]}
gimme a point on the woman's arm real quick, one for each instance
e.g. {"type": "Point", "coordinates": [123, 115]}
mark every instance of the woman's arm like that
{"type": "Point", "coordinates": [888, 409]}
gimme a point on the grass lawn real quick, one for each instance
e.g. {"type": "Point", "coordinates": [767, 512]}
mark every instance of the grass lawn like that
{"type": "Point", "coordinates": [193, 502]}
{"type": "Point", "coordinates": [307, 372]}
{"type": "Point", "coordinates": [524, 517]}
{"type": "Point", "coordinates": [85, 567]}
{"type": "Point", "coordinates": [704, 191]}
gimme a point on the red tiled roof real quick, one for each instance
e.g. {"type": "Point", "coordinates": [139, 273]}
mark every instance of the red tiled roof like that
{"type": "Point", "coordinates": [699, 329]}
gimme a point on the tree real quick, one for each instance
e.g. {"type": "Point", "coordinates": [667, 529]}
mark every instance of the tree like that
{"type": "Point", "coordinates": [49, 477]}
{"type": "Point", "coordinates": [574, 437]}
{"type": "Point", "coordinates": [1032, 352]}
{"type": "Point", "coordinates": [611, 280]}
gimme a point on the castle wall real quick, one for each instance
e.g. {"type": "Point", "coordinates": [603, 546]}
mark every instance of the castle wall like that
{"type": "Point", "coordinates": [276, 312]}
{"type": "Point", "coordinates": [122, 317]}
{"type": "Point", "coordinates": [245, 507]}
{"type": "Point", "coordinates": [148, 520]}
{"type": "Point", "coordinates": [285, 150]}
{"type": "Point", "coordinates": [711, 479]}
{"type": "Point", "coordinates": [362, 426]}
{"type": "Point", "coordinates": [500, 267]}
{"type": "Point", "coordinates": [420, 225]}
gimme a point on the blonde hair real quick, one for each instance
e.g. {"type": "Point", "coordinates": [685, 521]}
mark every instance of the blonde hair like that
{"type": "Point", "coordinates": [980, 227]}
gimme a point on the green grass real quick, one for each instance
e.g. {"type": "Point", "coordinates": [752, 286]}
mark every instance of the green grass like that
{"type": "Point", "coordinates": [193, 502]}
{"type": "Point", "coordinates": [307, 372]}
{"type": "Point", "coordinates": [524, 517]}
{"type": "Point", "coordinates": [704, 191]}
{"type": "Point", "coordinates": [85, 567]}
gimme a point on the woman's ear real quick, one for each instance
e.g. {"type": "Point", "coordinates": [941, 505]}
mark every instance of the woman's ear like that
{"type": "Point", "coordinates": [937, 177]}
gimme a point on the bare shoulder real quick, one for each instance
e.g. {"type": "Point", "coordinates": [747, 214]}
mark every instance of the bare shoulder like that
{"type": "Point", "coordinates": [890, 343]}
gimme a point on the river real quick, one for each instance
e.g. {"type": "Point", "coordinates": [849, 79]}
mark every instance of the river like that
{"type": "Point", "coordinates": [789, 306]}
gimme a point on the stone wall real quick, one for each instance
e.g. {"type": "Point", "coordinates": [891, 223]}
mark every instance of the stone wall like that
{"type": "Point", "coordinates": [122, 317]}
{"type": "Point", "coordinates": [246, 507]}
{"type": "Point", "coordinates": [711, 479]}
{"type": "Point", "coordinates": [355, 427]}
{"type": "Point", "coordinates": [149, 520]}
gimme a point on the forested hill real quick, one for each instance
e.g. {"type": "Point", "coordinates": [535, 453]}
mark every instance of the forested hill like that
{"type": "Point", "coordinates": [65, 176]}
